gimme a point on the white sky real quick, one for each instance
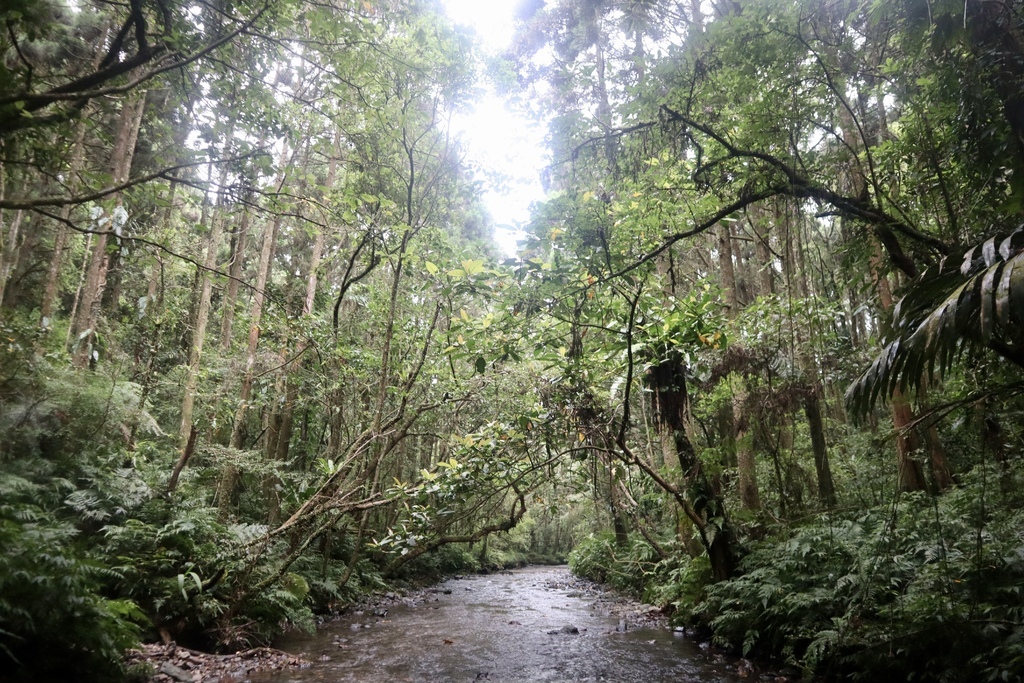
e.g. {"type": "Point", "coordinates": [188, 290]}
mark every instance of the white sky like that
{"type": "Point", "coordinates": [506, 148]}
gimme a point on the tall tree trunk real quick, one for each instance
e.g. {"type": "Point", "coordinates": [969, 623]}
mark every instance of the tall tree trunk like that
{"type": "Point", "coordinates": [742, 436]}
{"type": "Point", "coordinates": [88, 315]}
{"type": "Point", "coordinates": [763, 251]}
{"type": "Point", "coordinates": [707, 509]}
{"type": "Point", "coordinates": [9, 247]}
{"type": "Point", "coordinates": [910, 471]}
{"type": "Point", "coordinates": [213, 217]}
{"type": "Point", "coordinates": [617, 504]}
{"type": "Point", "coordinates": [822, 468]}
{"type": "Point", "coordinates": [229, 477]}
{"type": "Point", "coordinates": [61, 237]}
{"type": "Point", "coordinates": [798, 282]}
{"type": "Point", "coordinates": [278, 447]}
{"type": "Point", "coordinates": [288, 408]}
{"type": "Point", "coordinates": [743, 439]}
{"type": "Point", "coordinates": [238, 246]}
{"type": "Point", "coordinates": [728, 270]}
{"type": "Point", "coordinates": [942, 474]}
{"type": "Point", "coordinates": [604, 107]}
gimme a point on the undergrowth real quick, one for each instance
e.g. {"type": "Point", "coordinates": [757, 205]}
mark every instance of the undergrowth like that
{"type": "Point", "coordinates": [925, 588]}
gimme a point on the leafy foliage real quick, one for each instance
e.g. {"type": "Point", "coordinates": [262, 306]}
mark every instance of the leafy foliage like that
{"type": "Point", "coordinates": [300, 370]}
{"type": "Point", "coordinates": [969, 301]}
{"type": "Point", "coordinates": [53, 613]}
{"type": "Point", "coordinates": [629, 569]}
{"type": "Point", "coordinates": [931, 581]}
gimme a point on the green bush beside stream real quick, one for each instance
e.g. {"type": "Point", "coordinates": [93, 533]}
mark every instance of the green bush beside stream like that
{"type": "Point", "coordinates": [924, 589]}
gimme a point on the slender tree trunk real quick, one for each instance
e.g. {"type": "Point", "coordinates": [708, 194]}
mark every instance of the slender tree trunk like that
{"type": "Point", "coordinates": [238, 246]}
{"type": "Point", "coordinates": [812, 410]}
{"type": "Point", "coordinates": [743, 438]}
{"type": "Point", "coordinates": [19, 282]}
{"type": "Point", "coordinates": [213, 217]}
{"type": "Point", "coordinates": [10, 247]}
{"type": "Point", "coordinates": [763, 252]}
{"type": "Point", "coordinates": [668, 382]}
{"type": "Point", "coordinates": [910, 471]}
{"type": "Point", "coordinates": [942, 474]}
{"type": "Point", "coordinates": [798, 282]}
{"type": "Point", "coordinates": [728, 270]}
{"type": "Point", "coordinates": [292, 392]}
{"type": "Point", "coordinates": [61, 237]}
{"type": "Point", "coordinates": [96, 275]}
{"type": "Point", "coordinates": [619, 525]}
{"type": "Point", "coordinates": [82, 271]}
{"type": "Point", "coordinates": [229, 478]}
{"type": "Point", "coordinates": [278, 447]}
{"type": "Point", "coordinates": [604, 108]}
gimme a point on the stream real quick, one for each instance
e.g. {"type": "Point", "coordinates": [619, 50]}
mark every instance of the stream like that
{"type": "Point", "coordinates": [533, 624]}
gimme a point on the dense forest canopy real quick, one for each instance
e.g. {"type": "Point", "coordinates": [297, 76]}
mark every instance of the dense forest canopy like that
{"type": "Point", "coordinates": [758, 357]}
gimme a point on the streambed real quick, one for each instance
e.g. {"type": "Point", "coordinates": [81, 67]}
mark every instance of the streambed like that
{"type": "Point", "coordinates": [533, 624]}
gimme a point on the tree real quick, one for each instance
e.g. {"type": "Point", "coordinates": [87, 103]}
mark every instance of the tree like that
{"type": "Point", "coordinates": [45, 85]}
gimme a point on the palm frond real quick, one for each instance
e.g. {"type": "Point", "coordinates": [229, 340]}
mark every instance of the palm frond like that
{"type": "Point", "coordinates": [967, 302]}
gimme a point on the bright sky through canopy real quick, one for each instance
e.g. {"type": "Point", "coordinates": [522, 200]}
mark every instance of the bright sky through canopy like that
{"type": "Point", "coordinates": [506, 148]}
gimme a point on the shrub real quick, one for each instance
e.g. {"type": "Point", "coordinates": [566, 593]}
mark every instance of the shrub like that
{"type": "Point", "coordinates": [934, 580]}
{"type": "Point", "coordinates": [630, 568]}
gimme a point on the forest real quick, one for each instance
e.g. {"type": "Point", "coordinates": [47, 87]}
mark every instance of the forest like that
{"type": "Point", "coordinates": [758, 358]}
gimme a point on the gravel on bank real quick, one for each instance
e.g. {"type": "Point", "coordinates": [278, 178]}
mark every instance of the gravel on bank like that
{"type": "Point", "coordinates": [175, 664]}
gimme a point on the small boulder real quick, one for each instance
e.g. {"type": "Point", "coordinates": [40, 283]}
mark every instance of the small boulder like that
{"type": "Point", "coordinates": [177, 673]}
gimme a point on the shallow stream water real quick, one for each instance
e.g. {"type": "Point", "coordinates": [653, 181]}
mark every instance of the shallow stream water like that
{"type": "Point", "coordinates": [516, 626]}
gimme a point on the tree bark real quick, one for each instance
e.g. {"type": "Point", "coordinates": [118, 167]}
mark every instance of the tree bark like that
{"type": "Point", "coordinates": [707, 509]}
{"type": "Point", "coordinates": [61, 237]}
{"type": "Point", "coordinates": [238, 246]}
{"type": "Point", "coordinates": [229, 477]}
{"type": "Point", "coordinates": [822, 469]}
{"type": "Point", "coordinates": [746, 465]}
{"type": "Point", "coordinates": [725, 263]}
{"type": "Point", "coordinates": [9, 255]}
{"type": "Point", "coordinates": [202, 315]}
{"type": "Point", "coordinates": [87, 319]}
{"type": "Point", "coordinates": [910, 471]}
